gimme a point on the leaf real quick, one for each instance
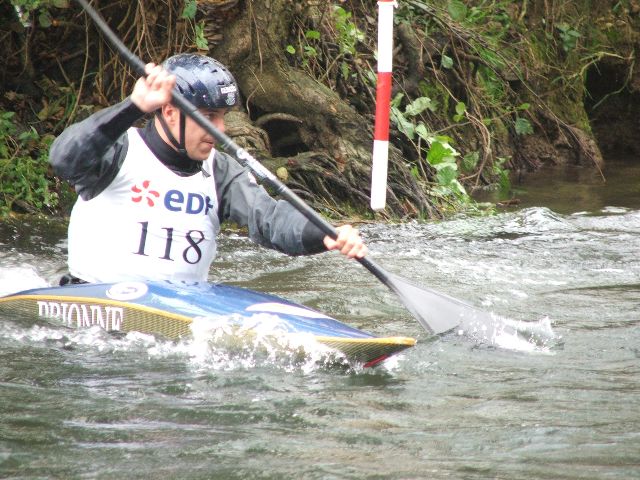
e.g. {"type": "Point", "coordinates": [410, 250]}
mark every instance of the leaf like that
{"type": "Point", "coordinates": [457, 188]}
{"type": "Point", "coordinates": [524, 106]}
{"type": "Point", "coordinates": [310, 51]}
{"type": "Point", "coordinates": [423, 133]}
{"type": "Point", "coordinates": [312, 35]}
{"type": "Point", "coordinates": [457, 10]}
{"type": "Point", "coordinates": [446, 61]}
{"type": "Point", "coordinates": [523, 126]}
{"type": "Point", "coordinates": [44, 19]}
{"type": "Point", "coordinates": [341, 13]}
{"type": "Point", "coordinates": [498, 162]}
{"type": "Point", "coordinates": [395, 101]}
{"type": "Point", "coordinates": [7, 116]}
{"type": "Point", "coordinates": [290, 49]}
{"type": "Point", "coordinates": [418, 106]}
{"type": "Point", "coordinates": [446, 142]}
{"type": "Point", "coordinates": [469, 161]}
{"type": "Point", "coordinates": [438, 154]}
{"type": "Point", "coordinates": [448, 164]}
{"type": "Point", "coordinates": [190, 9]}
{"type": "Point", "coordinates": [201, 41]}
{"type": "Point", "coordinates": [371, 77]}
{"type": "Point", "coordinates": [461, 108]}
{"type": "Point", "coordinates": [445, 139]}
{"type": "Point", "coordinates": [404, 125]}
{"type": "Point", "coordinates": [447, 175]}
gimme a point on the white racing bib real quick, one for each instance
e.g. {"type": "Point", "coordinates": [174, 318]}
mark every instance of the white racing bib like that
{"type": "Point", "coordinates": [149, 223]}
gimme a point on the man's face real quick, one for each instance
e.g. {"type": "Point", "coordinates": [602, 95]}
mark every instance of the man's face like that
{"type": "Point", "coordinates": [197, 141]}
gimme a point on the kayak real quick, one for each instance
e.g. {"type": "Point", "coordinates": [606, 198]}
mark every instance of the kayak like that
{"type": "Point", "coordinates": [169, 309]}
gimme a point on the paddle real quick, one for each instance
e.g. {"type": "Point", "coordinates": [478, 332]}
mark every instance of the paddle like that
{"type": "Point", "coordinates": [436, 312]}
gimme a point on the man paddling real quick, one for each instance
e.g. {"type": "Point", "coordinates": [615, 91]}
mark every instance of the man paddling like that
{"type": "Point", "coordinates": [151, 200]}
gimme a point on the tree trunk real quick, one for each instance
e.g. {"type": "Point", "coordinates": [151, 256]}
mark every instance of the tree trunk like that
{"type": "Point", "coordinates": [319, 137]}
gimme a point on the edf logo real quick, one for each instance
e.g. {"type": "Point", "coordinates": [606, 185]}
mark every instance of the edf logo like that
{"type": "Point", "coordinates": [174, 200]}
{"type": "Point", "coordinates": [193, 203]}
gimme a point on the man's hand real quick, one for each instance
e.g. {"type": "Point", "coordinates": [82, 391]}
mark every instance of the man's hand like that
{"type": "Point", "coordinates": [154, 90]}
{"type": "Point", "coordinates": [348, 243]}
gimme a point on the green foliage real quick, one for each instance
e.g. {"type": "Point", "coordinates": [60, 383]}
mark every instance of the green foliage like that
{"type": "Point", "coordinates": [312, 35]}
{"type": "Point", "coordinates": [190, 9]}
{"type": "Point", "coordinates": [309, 52]}
{"type": "Point", "coordinates": [446, 61]}
{"type": "Point", "coordinates": [348, 33]}
{"type": "Point", "coordinates": [484, 69]}
{"type": "Point", "coordinates": [189, 13]}
{"type": "Point", "coordinates": [435, 151]}
{"type": "Point", "coordinates": [523, 126]}
{"type": "Point", "coordinates": [470, 161]}
{"type": "Point", "coordinates": [442, 157]}
{"type": "Point", "coordinates": [24, 167]}
{"type": "Point", "coordinates": [328, 50]}
{"type": "Point", "coordinates": [201, 41]}
{"type": "Point", "coordinates": [40, 10]}
{"type": "Point", "coordinates": [482, 54]}
{"type": "Point", "coordinates": [568, 35]}
{"type": "Point", "coordinates": [493, 87]}
{"type": "Point", "coordinates": [405, 120]}
{"type": "Point", "coordinates": [499, 169]}
{"type": "Point", "coordinates": [348, 37]}
{"type": "Point", "coordinates": [457, 9]}
{"type": "Point", "coordinates": [439, 96]}
{"type": "Point", "coordinates": [461, 108]}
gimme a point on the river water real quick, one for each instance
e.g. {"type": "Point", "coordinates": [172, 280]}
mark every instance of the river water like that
{"type": "Point", "coordinates": [563, 406]}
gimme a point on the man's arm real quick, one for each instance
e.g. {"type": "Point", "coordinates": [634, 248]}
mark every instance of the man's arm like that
{"type": "Point", "coordinates": [88, 154]}
{"type": "Point", "coordinates": [272, 223]}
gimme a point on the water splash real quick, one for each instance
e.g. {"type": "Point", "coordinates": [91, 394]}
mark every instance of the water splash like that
{"type": "Point", "coordinates": [232, 342]}
{"type": "Point", "coordinates": [493, 330]}
{"type": "Point", "coordinates": [221, 343]}
{"type": "Point", "coordinates": [16, 278]}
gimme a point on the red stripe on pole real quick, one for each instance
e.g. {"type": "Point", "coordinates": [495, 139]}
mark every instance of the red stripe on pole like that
{"type": "Point", "coordinates": [383, 100]}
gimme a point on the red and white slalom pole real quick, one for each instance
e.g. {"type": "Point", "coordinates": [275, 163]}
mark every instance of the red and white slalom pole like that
{"type": "Point", "coordinates": [383, 105]}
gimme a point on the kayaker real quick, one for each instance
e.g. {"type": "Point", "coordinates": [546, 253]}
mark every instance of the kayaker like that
{"type": "Point", "coordinates": [151, 200]}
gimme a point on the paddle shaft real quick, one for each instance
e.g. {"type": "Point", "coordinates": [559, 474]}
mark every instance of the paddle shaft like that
{"type": "Point", "coordinates": [228, 145]}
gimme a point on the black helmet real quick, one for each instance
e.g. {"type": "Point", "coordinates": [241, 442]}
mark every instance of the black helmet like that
{"type": "Point", "coordinates": [205, 82]}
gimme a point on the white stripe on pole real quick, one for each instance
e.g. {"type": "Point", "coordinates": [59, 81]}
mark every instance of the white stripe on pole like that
{"type": "Point", "coordinates": [383, 105]}
{"type": "Point", "coordinates": [379, 174]}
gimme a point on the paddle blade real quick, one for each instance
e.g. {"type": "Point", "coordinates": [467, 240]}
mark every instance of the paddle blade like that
{"type": "Point", "coordinates": [436, 312]}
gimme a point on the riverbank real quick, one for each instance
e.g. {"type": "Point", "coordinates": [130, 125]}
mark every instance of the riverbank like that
{"type": "Point", "coordinates": [483, 92]}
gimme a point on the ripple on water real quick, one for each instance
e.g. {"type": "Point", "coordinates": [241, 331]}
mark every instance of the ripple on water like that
{"type": "Point", "coordinates": [451, 407]}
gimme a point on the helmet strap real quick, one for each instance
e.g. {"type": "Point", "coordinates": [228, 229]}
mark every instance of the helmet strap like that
{"type": "Point", "coordinates": [179, 145]}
